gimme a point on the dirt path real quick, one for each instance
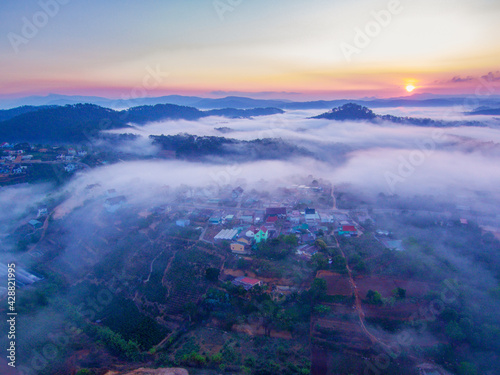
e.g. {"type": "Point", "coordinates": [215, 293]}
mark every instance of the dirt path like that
{"type": "Point", "coordinates": [151, 266]}
{"type": "Point", "coordinates": [359, 308]}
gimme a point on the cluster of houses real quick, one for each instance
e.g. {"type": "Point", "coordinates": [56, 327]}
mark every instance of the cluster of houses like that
{"type": "Point", "coordinates": [12, 156]}
{"type": "Point", "coordinates": [306, 226]}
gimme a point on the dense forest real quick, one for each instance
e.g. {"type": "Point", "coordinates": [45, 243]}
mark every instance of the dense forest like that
{"type": "Point", "coordinates": [82, 122]}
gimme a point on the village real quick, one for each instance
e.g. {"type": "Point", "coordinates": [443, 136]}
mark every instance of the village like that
{"type": "Point", "coordinates": [19, 161]}
{"type": "Point", "coordinates": [241, 244]}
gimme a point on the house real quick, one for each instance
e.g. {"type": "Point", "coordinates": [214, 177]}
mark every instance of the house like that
{"type": "Point", "coordinates": [35, 224]}
{"type": "Point", "coordinates": [279, 212]}
{"type": "Point", "coordinates": [215, 220]}
{"type": "Point", "coordinates": [246, 282]}
{"type": "Point", "coordinates": [326, 218]}
{"type": "Point", "coordinates": [258, 234]}
{"type": "Point", "coordinates": [271, 219]}
{"type": "Point", "coordinates": [294, 217]}
{"type": "Point", "coordinates": [311, 215]}
{"type": "Point", "coordinates": [26, 157]}
{"type": "Point", "coordinates": [247, 218]}
{"type": "Point", "coordinates": [241, 246]}
{"type": "Point", "coordinates": [261, 234]}
{"type": "Point", "coordinates": [348, 231]}
{"type": "Point", "coordinates": [183, 223]}
{"type": "Point", "coordinates": [307, 237]}
{"type": "Point", "coordinates": [394, 245]}
{"type": "Point", "coordinates": [303, 228]}
{"type": "Point", "coordinates": [5, 145]}
{"type": "Point", "coordinates": [306, 251]}
{"type": "Point", "coordinates": [226, 235]}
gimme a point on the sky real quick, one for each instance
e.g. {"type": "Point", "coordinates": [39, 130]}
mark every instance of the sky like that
{"type": "Point", "coordinates": [291, 49]}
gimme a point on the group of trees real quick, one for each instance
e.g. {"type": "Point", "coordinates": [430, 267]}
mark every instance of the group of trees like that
{"type": "Point", "coordinates": [277, 248]}
{"type": "Point", "coordinates": [193, 147]}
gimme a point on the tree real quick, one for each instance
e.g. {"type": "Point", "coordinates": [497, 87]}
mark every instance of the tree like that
{"type": "Point", "coordinates": [467, 368]}
{"type": "Point", "coordinates": [322, 309]}
{"type": "Point", "coordinates": [268, 311]}
{"type": "Point", "coordinates": [291, 239]}
{"type": "Point", "coordinates": [319, 261]}
{"type": "Point", "coordinates": [318, 290]}
{"type": "Point", "coordinates": [212, 274]}
{"type": "Point", "coordinates": [399, 293]}
{"type": "Point", "coordinates": [194, 359]}
{"type": "Point", "coordinates": [454, 332]}
{"type": "Point", "coordinates": [339, 263]}
{"type": "Point", "coordinates": [374, 297]}
{"type": "Point", "coordinates": [321, 244]}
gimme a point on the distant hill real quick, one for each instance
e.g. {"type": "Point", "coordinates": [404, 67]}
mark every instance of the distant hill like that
{"type": "Point", "coordinates": [80, 122]}
{"type": "Point", "coordinates": [485, 111]}
{"type": "Point", "coordinates": [356, 112]}
{"type": "Point", "coordinates": [73, 124]}
{"type": "Point", "coordinates": [145, 114]}
{"type": "Point", "coordinates": [349, 111]}
{"type": "Point", "coordinates": [244, 113]}
{"type": "Point", "coordinates": [7, 114]}
{"type": "Point", "coordinates": [239, 102]}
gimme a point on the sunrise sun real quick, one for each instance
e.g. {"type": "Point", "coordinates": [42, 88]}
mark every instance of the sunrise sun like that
{"type": "Point", "coordinates": [410, 88]}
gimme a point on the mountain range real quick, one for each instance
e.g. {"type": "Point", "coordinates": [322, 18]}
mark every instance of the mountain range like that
{"type": "Point", "coordinates": [240, 102]}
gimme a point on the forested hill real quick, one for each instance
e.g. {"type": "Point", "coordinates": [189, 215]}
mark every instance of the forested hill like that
{"type": "Point", "coordinates": [72, 124]}
{"type": "Point", "coordinates": [485, 111]}
{"type": "Point", "coordinates": [356, 112]}
{"type": "Point", "coordinates": [192, 147]}
{"type": "Point", "coordinates": [7, 114]}
{"type": "Point", "coordinates": [81, 122]}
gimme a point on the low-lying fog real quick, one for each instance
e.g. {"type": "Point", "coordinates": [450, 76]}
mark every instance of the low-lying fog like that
{"type": "Point", "coordinates": [388, 158]}
{"type": "Point", "coordinates": [458, 165]}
